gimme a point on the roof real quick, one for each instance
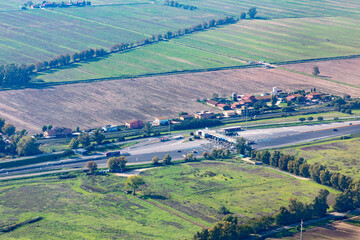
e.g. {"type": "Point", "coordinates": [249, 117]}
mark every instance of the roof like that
{"type": "Point", "coordinates": [162, 118]}
{"type": "Point", "coordinates": [133, 121]}
{"type": "Point", "coordinates": [222, 105]}
{"type": "Point", "coordinates": [266, 97]}
{"type": "Point", "coordinates": [315, 94]}
{"type": "Point", "coordinates": [212, 102]}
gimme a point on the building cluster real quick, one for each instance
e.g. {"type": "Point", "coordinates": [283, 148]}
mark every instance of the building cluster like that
{"type": "Point", "coordinates": [46, 4]}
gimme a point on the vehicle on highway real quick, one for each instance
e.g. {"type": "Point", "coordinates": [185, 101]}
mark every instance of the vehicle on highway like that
{"type": "Point", "coordinates": [335, 130]}
{"type": "Point", "coordinates": [194, 151]}
{"type": "Point", "coordinates": [125, 154]}
{"type": "Point", "coordinates": [179, 150]}
{"type": "Point", "coordinates": [350, 124]}
{"type": "Point", "coordinates": [113, 154]}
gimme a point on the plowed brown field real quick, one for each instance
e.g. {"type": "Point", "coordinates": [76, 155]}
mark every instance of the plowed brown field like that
{"type": "Point", "coordinates": [113, 102]}
{"type": "Point", "coordinates": [346, 70]}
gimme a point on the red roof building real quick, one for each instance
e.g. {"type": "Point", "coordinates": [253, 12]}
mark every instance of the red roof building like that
{"type": "Point", "coordinates": [134, 124]}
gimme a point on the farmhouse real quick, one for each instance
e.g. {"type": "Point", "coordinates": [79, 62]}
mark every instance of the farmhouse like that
{"type": "Point", "coordinates": [58, 132]}
{"type": "Point", "coordinates": [186, 117]}
{"type": "Point", "coordinates": [134, 124]}
{"type": "Point", "coordinates": [204, 115]}
{"type": "Point", "coordinates": [229, 113]}
{"type": "Point", "coordinates": [161, 121]}
{"type": "Point", "coordinates": [110, 128]}
{"type": "Point", "coordinates": [266, 98]}
{"type": "Point", "coordinates": [212, 103]}
{"type": "Point", "coordinates": [246, 111]}
{"type": "Point", "coordinates": [235, 105]}
{"type": "Point", "coordinates": [293, 97]}
{"type": "Point", "coordinates": [249, 98]}
{"type": "Point", "coordinates": [223, 106]}
{"type": "Point", "coordinates": [314, 95]}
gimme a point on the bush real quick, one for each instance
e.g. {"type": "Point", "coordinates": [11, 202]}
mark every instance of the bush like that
{"type": "Point", "coordinates": [68, 152]}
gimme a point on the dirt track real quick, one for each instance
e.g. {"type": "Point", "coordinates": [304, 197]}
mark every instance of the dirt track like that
{"type": "Point", "coordinates": [114, 102]}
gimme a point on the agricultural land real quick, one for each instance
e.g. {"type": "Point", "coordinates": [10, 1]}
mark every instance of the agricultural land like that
{"type": "Point", "coordinates": [234, 45]}
{"type": "Point", "coordinates": [90, 105]}
{"type": "Point", "coordinates": [178, 198]}
{"type": "Point", "coordinates": [338, 155]}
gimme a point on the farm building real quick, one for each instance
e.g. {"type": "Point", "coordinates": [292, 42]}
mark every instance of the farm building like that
{"type": "Point", "coordinates": [186, 117]}
{"type": "Point", "coordinates": [245, 111]}
{"type": "Point", "coordinates": [235, 105]}
{"type": "Point", "coordinates": [58, 132]}
{"type": "Point", "coordinates": [229, 113]}
{"type": "Point", "coordinates": [134, 124]}
{"type": "Point", "coordinates": [266, 98]}
{"type": "Point", "coordinates": [110, 128]}
{"type": "Point", "coordinates": [161, 121]}
{"type": "Point", "coordinates": [212, 103]}
{"type": "Point", "coordinates": [204, 115]}
{"type": "Point", "coordinates": [223, 106]}
{"type": "Point", "coordinates": [314, 95]}
{"type": "Point", "coordinates": [293, 97]}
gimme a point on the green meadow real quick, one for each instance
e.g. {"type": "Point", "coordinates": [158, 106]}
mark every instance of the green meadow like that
{"type": "Point", "coordinates": [175, 202]}
{"type": "Point", "coordinates": [339, 155]}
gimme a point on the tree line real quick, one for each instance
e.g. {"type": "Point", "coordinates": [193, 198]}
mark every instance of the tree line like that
{"type": "Point", "coordinates": [19, 75]}
{"type": "Point", "coordinates": [348, 199]}
{"type": "Point", "coordinates": [197, 123]}
{"type": "Point", "coordinates": [179, 5]}
{"type": "Point", "coordinates": [230, 228]}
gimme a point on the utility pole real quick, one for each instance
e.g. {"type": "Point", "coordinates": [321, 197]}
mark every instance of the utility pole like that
{"type": "Point", "coordinates": [301, 230]}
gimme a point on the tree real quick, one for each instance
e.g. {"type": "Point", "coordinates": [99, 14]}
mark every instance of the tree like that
{"type": "Point", "coordinates": [242, 15]}
{"type": "Point", "coordinates": [98, 137]}
{"type": "Point", "coordinates": [8, 129]}
{"type": "Point", "coordinates": [74, 143]}
{"type": "Point", "coordinates": [252, 12]}
{"type": "Point", "coordinates": [92, 166]}
{"type": "Point", "coordinates": [147, 129]}
{"type": "Point", "coordinates": [155, 160]}
{"type": "Point", "coordinates": [302, 119]}
{"type": "Point", "coordinates": [27, 146]}
{"type": "Point", "coordinates": [320, 118]}
{"type": "Point", "coordinates": [215, 95]}
{"type": "Point", "coordinates": [84, 139]}
{"type": "Point", "coordinates": [310, 119]}
{"type": "Point", "coordinates": [316, 71]}
{"type": "Point", "coordinates": [133, 182]}
{"type": "Point", "coordinates": [117, 163]}
{"type": "Point", "coordinates": [189, 157]}
{"type": "Point", "coordinates": [320, 205]}
{"type": "Point", "coordinates": [50, 127]}
{"type": "Point", "coordinates": [2, 123]}
{"type": "Point", "coordinates": [44, 128]}
{"type": "Point", "coordinates": [167, 159]}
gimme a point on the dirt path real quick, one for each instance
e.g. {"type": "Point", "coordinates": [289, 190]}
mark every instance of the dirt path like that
{"type": "Point", "coordinates": [132, 172]}
{"type": "Point", "coordinates": [292, 175]}
{"type": "Point", "coordinates": [176, 214]}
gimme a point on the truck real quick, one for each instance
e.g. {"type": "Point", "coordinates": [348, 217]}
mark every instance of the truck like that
{"type": "Point", "coordinates": [113, 154]}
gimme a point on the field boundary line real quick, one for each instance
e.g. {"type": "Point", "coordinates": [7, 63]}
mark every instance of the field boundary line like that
{"type": "Point", "coordinates": [176, 214]}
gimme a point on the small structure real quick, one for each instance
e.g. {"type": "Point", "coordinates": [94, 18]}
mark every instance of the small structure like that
{"type": "Point", "coordinates": [229, 113]}
{"type": "Point", "coordinates": [231, 130]}
{"type": "Point", "coordinates": [186, 117]}
{"type": "Point", "coordinates": [314, 95]}
{"type": "Point", "coordinates": [212, 103]}
{"type": "Point", "coordinates": [274, 91]}
{"type": "Point", "coordinates": [235, 105]}
{"type": "Point", "coordinates": [204, 115]}
{"type": "Point", "coordinates": [161, 121]}
{"type": "Point", "coordinates": [266, 98]}
{"type": "Point", "coordinates": [58, 132]}
{"type": "Point", "coordinates": [223, 106]}
{"type": "Point", "coordinates": [243, 111]}
{"type": "Point", "coordinates": [110, 128]}
{"type": "Point", "coordinates": [134, 124]}
{"type": "Point", "coordinates": [81, 151]}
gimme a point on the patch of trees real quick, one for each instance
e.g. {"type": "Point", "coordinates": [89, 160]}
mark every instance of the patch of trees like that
{"type": "Point", "coordinates": [344, 106]}
{"type": "Point", "coordinates": [165, 161]}
{"type": "Point", "coordinates": [15, 75]}
{"type": "Point", "coordinates": [179, 5]}
{"type": "Point", "coordinates": [217, 153]}
{"type": "Point", "coordinates": [16, 142]}
{"type": "Point", "coordinates": [46, 4]}
{"type": "Point", "coordinates": [349, 199]}
{"type": "Point", "coordinates": [230, 228]}
{"type": "Point", "coordinates": [197, 123]}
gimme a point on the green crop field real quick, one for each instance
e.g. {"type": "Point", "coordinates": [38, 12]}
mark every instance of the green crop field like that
{"type": "Point", "coordinates": [338, 155]}
{"type": "Point", "coordinates": [96, 207]}
{"type": "Point", "coordinates": [40, 34]}
{"type": "Point", "coordinates": [233, 45]}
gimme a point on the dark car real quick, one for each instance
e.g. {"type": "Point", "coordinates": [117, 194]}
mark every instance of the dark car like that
{"type": "Point", "coordinates": [335, 130]}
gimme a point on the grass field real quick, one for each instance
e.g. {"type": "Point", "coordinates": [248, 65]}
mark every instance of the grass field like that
{"type": "Point", "coordinates": [40, 34]}
{"type": "Point", "coordinates": [84, 208]}
{"type": "Point", "coordinates": [233, 45]}
{"type": "Point", "coordinates": [96, 207]}
{"type": "Point", "coordinates": [245, 190]}
{"type": "Point", "coordinates": [338, 155]}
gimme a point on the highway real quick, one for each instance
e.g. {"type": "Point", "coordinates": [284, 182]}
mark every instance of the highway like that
{"type": "Point", "coordinates": [144, 151]}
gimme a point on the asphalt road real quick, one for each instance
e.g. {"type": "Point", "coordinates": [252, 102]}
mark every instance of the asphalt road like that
{"type": "Point", "coordinates": [307, 137]}
{"type": "Point", "coordinates": [145, 151]}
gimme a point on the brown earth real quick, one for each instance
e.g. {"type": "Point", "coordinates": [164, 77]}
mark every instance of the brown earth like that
{"type": "Point", "coordinates": [90, 105]}
{"type": "Point", "coordinates": [335, 231]}
{"type": "Point", "coordinates": [345, 70]}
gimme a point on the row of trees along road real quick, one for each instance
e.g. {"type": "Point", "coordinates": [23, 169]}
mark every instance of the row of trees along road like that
{"type": "Point", "coordinates": [19, 75]}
